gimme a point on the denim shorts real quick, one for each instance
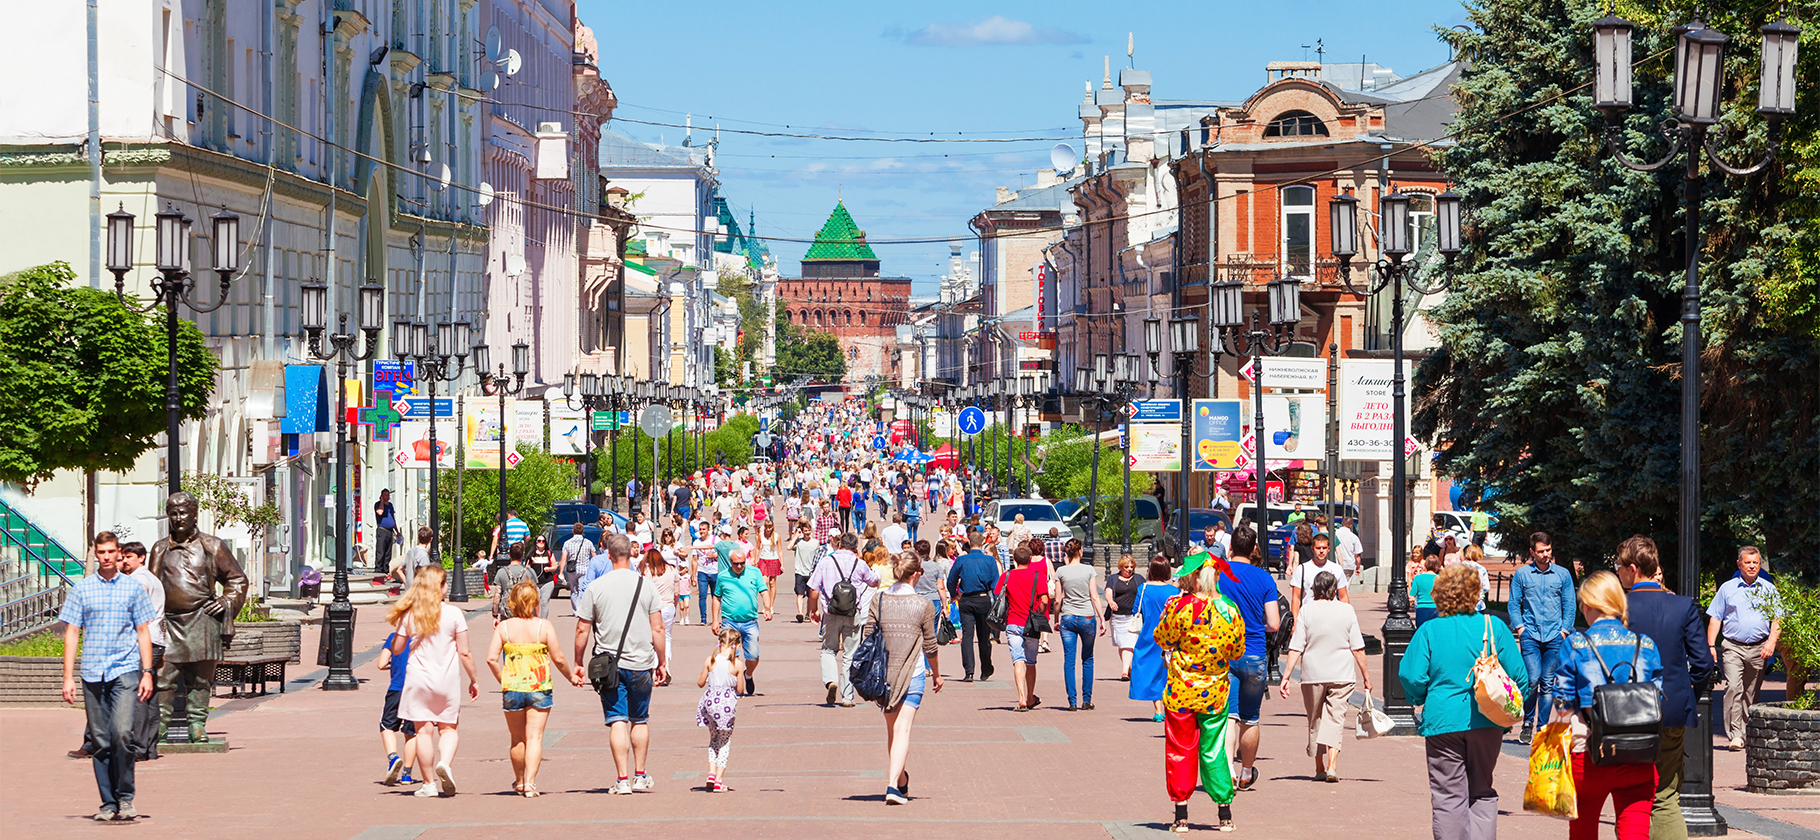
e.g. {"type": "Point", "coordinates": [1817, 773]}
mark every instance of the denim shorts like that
{"type": "Point", "coordinates": [1022, 649]}
{"type": "Point", "coordinates": [1247, 695]}
{"type": "Point", "coordinates": [631, 703]}
{"type": "Point", "coordinates": [748, 637]}
{"type": "Point", "coordinates": [914, 697]}
{"type": "Point", "coordinates": [518, 701]}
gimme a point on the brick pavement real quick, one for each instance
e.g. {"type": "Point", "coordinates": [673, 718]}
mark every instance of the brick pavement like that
{"type": "Point", "coordinates": [307, 765]}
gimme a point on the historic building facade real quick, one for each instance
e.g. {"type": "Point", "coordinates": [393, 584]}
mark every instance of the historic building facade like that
{"type": "Point", "coordinates": [840, 292]}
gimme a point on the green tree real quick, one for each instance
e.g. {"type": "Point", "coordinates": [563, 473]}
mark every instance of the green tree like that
{"type": "Point", "coordinates": [1554, 394]}
{"type": "Point", "coordinates": [532, 488]}
{"type": "Point", "coordinates": [82, 377]}
{"type": "Point", "coordinates": [805, 352]}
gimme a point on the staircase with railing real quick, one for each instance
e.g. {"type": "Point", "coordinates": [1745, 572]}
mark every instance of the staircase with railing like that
{"type": "Point", "coordinates": [36, 572]}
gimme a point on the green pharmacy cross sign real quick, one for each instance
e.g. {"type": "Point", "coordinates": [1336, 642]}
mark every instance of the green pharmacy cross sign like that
{"type": "Point", "coordinates": [382, 417]}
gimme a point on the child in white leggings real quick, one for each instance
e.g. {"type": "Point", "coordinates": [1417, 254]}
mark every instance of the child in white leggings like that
{"type": "Point", "coordinates": [720, 677]}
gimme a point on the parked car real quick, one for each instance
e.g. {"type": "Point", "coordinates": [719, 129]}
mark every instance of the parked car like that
{"type": "Point", "coordinates": [1281, 531]}
{"type": "Point", "coordinates": [1459, 522]}
{"type": "Point", "coordinates": [1146, 514]}
{"type": "Point", "coordinates": [1039, 516]}
{"type": "Point", "coordinates": [562, 524]}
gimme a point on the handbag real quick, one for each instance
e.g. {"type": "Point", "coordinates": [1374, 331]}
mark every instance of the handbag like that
{"type": "Point", "coordinates": [867, 672]}
{"type": "Point", "coordinates": [1372, 720]}
{"type": "Point", "coordinates": [1499, 699]}
{"type": "Point", "coordinates": [1624, 722]}
{"type": "Point", "coordinates": [1035, 623]}
{"type": "Point", "coordinates": [603, 670]}
{"type": "Point", "coordinates": [944, 629]}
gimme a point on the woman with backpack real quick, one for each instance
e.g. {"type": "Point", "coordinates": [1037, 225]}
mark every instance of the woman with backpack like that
{"type": "Point", "coordinates": [1605, 661]}
{"type": "Point", "coordinates": [1438, 674]}
{"type": "Point", "coordinates": [906, 623]}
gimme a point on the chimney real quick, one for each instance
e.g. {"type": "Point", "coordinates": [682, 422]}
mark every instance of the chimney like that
{"type": "Point", "coordinates": [1004, 195]}
{"type": "Point", "coordinates": [1045, 178]}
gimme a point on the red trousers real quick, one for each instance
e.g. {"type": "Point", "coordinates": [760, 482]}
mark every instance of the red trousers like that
{"type": "Point", "coordinates": [1632, 788]}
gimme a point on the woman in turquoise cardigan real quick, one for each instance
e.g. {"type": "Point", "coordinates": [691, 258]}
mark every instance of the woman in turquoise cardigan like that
{"type": "Point", "coordinates": [1462, 744]}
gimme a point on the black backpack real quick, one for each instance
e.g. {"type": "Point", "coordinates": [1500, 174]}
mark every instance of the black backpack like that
{"type": "Point", "coordinates": [1624, 723]}
{"type": "Point", "coordinates": [843, 598]}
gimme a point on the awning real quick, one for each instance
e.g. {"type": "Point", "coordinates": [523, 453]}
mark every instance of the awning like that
{"type": "Point", "coordinates": [305, 400]}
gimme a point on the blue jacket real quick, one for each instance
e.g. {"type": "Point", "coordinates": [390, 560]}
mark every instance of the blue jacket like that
{"type": "Point", "coordinates": [1542, 603]}
{"type": "Point", "coordinates": [975, 571]}
{"type": "Point", "coordinates": [1580, 671]}
{"type": "Point", "coordinates": [1673, 623]}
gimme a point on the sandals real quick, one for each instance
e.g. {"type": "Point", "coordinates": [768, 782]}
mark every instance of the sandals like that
{"type": "Point", "coordinates": [530, 791]}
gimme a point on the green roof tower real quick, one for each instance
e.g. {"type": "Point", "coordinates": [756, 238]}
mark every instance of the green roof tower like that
{"type": "Point", "coordinates": [840, 249]}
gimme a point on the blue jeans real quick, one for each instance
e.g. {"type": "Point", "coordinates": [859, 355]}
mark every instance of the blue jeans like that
{"type": "Point", "coordinates": [748, 636]}
{"type": "Point", "coordinates": [1540, 658]}
{"type": "Point", "coordinates": [631, 702]}
{"type": "Point", "coordinates": [1246, 703]}
{"type": "Point", "coordinates": [704, 589]}
{"type": "Point", "coordinates": [1078, 630]}
{"type": "Point", "coordinates": [110, 707]}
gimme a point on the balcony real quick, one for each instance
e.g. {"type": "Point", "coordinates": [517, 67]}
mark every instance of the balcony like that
{"type": "Point", "coordinates": [1324, 274]}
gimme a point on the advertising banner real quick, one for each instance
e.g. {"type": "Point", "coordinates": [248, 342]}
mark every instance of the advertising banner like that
{"type": "Point", "coordinates": [1156, 447]}
{"type": "Point", "coordinates": [567, 437]}
{"type": "Point", "coordinates": [527, 423]}
{"type": "Point", "coordinates": [483, 432]}
{"type": "Point", "coordinates": [1297, 427]}
{"type": "Point", "coordinates": [413, 440]}
{"type": "Point", "coordinates": [1216, 435]}
{"type": "Point", "coordinates": [1365, 411]}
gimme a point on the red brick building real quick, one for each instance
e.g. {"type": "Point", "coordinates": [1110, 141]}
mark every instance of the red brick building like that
{"type": "Point", "coordinates": [840, 292]}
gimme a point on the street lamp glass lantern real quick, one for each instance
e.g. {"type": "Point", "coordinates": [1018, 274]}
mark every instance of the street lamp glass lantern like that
{"type": "Point", "coordinates": [1776, 88]}
{"type": "Point", "coordinates": [420, 340]}
{"type": "Point", "coordinates": [170, 239]}
{"type": "Point", "coordinates": [440, 343]}
{"type": "Point", "coordinates": [460, 339]}
{"type": "Point", "coordinates": [1699, 73]}
{"type": "Point", "coordinates": [1186, 337]}
{"type": "Point", "coordinates": [1447, 223]}
{"type": "Point", "coordinates": [1394, 230]}
{"type": "Point", "coordinates": [1285, 301]}
{"type": "Point", "coordinates": [568, 384]}
{"type": "Point", "coordinates": [1226, 302]}
{"type": "Point", "coordinates": [1099, 366]}
{"type": "Point", "coordinates": [1343, 225]}
{"type": "Point", "coordinates": [1611, 63]}
{"type": "Point", "coordinates": [590, 384]}
{"type": "Point", "coordinates": [120, 240]}
{"type": "Point", "coordinates": [401, 339]}
{"type": "Point", "coordinates": [183, 243]}
{"type": "Point", "coordinates": [1026, 386]}
{"type": "Point", "coordinates": [314, 301]}
{"type": "Point", "coordinates": [521, 359]}
{"type": "Point", "coordinates": [227, 241]}
{"type": "Point", "coordinates": [1153, 336]}
{"type": "Point", "coordinates": [482, 360]}
{"type": "Point", "coordinates": [372, 306]}
{"type": "Point", "coordinates": [1083, 380]}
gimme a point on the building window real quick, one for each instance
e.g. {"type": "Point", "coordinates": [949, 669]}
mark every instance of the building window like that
{"type": "Point", "coordinates": [1421, 221]}
{"type": "Point", "coordinates": [1296, 124]}
{"type": "Point", "coordinates": [1298, 231]}
{"type": "Point", "coordinates": [862, 319]}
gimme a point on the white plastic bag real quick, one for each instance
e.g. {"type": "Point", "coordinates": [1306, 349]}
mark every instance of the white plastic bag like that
{"type": "Point", "coordinates": [1372, 720]}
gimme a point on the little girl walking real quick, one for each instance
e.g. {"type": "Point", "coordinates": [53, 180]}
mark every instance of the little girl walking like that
{"type": "Point", "coordinates": [720, 675]}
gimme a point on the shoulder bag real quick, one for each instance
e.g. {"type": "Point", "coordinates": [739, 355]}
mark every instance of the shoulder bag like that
{"type": "Point", "coordinates": [1499, 699]}
{"type": "Point", "coordinates": [1000, 612]}
{"type": "Point", "coordinates": [868, 670]}
{"type": "Point", "coordinates": [603, 669]}
{"type": "Point", "coordinates": [1035, 622]}
{"type": "Point", "coordinates": [1624, 722]}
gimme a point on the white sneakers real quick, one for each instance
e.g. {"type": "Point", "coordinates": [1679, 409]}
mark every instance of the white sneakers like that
{"type": "Point", "coordinates": [446, 778]}
{"type": "Point", "coordinates": [621, 787]}
{"type": "Point", "coordinates": [642, 782]}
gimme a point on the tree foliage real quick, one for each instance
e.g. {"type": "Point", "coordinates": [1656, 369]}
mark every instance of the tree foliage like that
{"type": "Point", "coordinates": [1554, 394]}
{"type": "Point", "coordinates": [804, 352]}
{"type": "Point", "coordinates": [532, 488]}
{"type": "Point", "coordinates": [82, 377]}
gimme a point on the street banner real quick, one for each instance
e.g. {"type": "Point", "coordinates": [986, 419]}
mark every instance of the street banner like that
{"type": "Point", "coordinates": [1156, 447]}
{"type": "Point", "coordinates": [1285, 372]}
{"type": "Point", "coordinates": [566, 434]}
{"type": "Point", "coordinates": [393, 377]}
{"type": "Point", "coordinates": [941, 424]}
{"type": "Point", "coordinates": [527, 423]}
{"type": "Point", "coordinates": [1217, 429]}
{"type": "Point", "coordinates": [609, 420]}
{"type": "Point", "coordinates": [1154, 411]}
{"type": "Point", "coordinates": [484, 432]}
{"type": "Point", "coordinates": [1365, 411]}
{"type": "Point", "coordinates": [1297, 426]}
{"type": "Point", "coordinates": [413, 440]}
{"type": "Point", "coordinates": [418, 408]}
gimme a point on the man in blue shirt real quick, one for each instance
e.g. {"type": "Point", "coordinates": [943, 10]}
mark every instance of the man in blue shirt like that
{"type": "Point", "coordinates": [1743, 610]}
{"type": "Point", "coordinates": [109, 616]}
{"type": "Point", "coordinates": [1254, 592]}
{"type": "Point", "coordinates": [385, 531]}
{"type": "Point", "coordinates": [972, 580]}
{"type": "Point", "coordinates": [1541, 616]}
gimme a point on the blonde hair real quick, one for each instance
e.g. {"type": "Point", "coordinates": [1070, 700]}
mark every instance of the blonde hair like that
{"type": "Point", "coordinates": [1603, 592]}
{"type": "Point", "coordinates": [523, 600]}
{"type": "Point", "coordinates": [422, 602]}
{"type": "Point", "coordinates": [730, 639]}
{"type": "Point", "coordinates": [1473, 553]}
{"type": "Point", "coordinates": [904, 565]}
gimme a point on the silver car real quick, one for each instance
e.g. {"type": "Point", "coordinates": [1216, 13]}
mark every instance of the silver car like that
{"type": "Point", "coordinates": [1039, 517]}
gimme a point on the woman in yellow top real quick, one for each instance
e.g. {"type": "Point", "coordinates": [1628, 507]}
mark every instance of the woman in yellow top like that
{"type": "Point", "coordinates": [523, 649]}
{"type": "Point", "coordinates": [1201, 631]}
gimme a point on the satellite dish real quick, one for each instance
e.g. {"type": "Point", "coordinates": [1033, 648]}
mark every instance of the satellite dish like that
{"type": "Point", "coordinates": [439, 177]}
{"type": "Point", "coordinates": [512, 62]}
{"type": "Point", "coordinates": [515, 265]}
{"type": "Point", "coordinates": [493, 43]}
{"type": "Point", "coordinates": [489, 78]}
{"type": "Point", "coordinates": [486, 193]}
{"type": "Point", "coordinates": [1063, 158]}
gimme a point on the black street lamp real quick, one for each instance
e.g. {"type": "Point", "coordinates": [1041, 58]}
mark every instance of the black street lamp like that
{"type": "Point", "coordinates": [1100, 389]}
{"type": "Point", "coordinates": [615, 389]}
{"type": "Point", "coordinates": [172, 287]}
{"type": "Point", "coordinates": [1392, 271]}
{"type": "Point", "coordinates": [1699, 85]}
{"type": "Point", "coordinates": [591, 398]}
{"type": "Point", "coordinates": [1130, 368]}
{"type": "Point", "coordinates": [1026, 391]}
{"type": "Point", "coordinates": [1226, 308]}
{"type": "Point", "coordinates": [440, 357]}
{"type": "Point", "coordinates": [501, 386]}
{"type": "Point", "coordinates": [339, 616]}
{"type": "Point", "coordinates": [1185, 344]}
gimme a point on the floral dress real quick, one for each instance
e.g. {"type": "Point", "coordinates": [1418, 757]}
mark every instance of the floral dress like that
{"type": "Point", "coordinates": [1202, 635]}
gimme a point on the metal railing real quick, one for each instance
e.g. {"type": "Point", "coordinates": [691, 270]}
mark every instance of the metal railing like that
{"type": "Point", "coordinates": [35, 575]}
{"type": "Point", "coordinates": [54, 563]}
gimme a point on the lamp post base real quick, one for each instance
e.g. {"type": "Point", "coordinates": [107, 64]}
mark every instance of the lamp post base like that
{"type": "Point", "coordinates": [1703, 820]}
{"type": "Point", "coordinates": [1398, 630]}
{"type": "Point", "coordinates": [338, 623]}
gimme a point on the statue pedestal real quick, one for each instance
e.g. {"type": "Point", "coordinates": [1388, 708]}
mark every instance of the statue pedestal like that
{"type": "Point", "coordinates": [215, 745]}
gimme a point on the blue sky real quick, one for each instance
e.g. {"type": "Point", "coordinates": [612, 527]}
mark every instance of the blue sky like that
{"type": "Point", "coordinates": [987, 70]}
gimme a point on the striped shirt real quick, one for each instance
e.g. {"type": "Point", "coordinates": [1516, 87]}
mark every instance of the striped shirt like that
{"type": "Point", "coordinates": [516, 530]}
{"type": "Point", "coordinates": [109, 611]}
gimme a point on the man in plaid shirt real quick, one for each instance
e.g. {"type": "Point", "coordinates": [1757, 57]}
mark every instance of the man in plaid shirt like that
{"type": "Point", "coordinates": [109, 614]}
{"type": "Point", "coordinates": [1055, 547]}
{"type": "Point", "coordinates": [825, 523]}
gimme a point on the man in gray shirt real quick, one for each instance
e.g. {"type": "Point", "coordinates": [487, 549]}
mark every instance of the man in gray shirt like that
{"type": "Point", "coordinates": [619, 614]}
{"type": "Point", "coordinates": [1074, 586]}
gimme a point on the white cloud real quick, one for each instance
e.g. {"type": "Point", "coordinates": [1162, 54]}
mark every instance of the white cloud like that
{"type": "Point", "coordinates": [997, 30]}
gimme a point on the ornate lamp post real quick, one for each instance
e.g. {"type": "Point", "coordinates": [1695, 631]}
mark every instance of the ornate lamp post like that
{"type": "Point", "coordinates": [339, 616]}
{"type": "Point", "coordinates": [1026, 390]}
{"type": "Point", "coordinates": [1185, 344]}
{"type": "Point", "coordinates": [1699, 86]}
{"type": "Point", "coordinates": [1100, 387]}
{"type": "Point", "coordinates": [1392, 271]}
{"type": "Point", "coordinates": [1226, 308]}
{"type": "Point", "coordinates": [591, 398]}
{"type": "Point", "coordinates": [439, 357]}
{"type": "Point", "coordinates": [172, 287]}
{"type": "Point", "coordinates": [501, 386]}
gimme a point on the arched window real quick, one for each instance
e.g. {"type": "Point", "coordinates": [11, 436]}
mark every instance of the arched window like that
{"type": "Point", "coordinates": [818, 317]}
{"type": "Point", "coordinates": [849, 317]}
{"type": "Point", "coordinates": [862, 319]}
{"type": "Point", "coordinates": [788, 319]}
{"type": "Point", "coordinates": [1296, 124]}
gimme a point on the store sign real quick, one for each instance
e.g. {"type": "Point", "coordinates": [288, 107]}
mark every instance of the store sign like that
{"type": "Point", "coordinates": [1366, 414]}
{"type": "Point", "coordinates": [1035, 336]}
{"type": "Point", "coordinates": [1281, 372]}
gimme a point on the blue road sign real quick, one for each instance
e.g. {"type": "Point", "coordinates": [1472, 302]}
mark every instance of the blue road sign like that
{"type": "Point", "coordinates": [972, 420]}
{"type": "Point", "coordinates": [879, 442]}
{"type": "Point", "coordinates": [418, 408]}
{"type": "Point", "coordinates": [1154, 411]}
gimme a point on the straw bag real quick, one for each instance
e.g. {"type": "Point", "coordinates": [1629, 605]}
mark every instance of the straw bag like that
{"type": "Point", "coordinates": [1500, 701]}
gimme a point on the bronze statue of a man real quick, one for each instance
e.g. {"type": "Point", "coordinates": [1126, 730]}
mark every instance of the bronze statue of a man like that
{"type": "Point", "coordinates": [198, 618]}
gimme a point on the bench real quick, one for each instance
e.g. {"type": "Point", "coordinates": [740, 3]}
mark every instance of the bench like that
{"type": "Point", "coordinates": [249, 671]}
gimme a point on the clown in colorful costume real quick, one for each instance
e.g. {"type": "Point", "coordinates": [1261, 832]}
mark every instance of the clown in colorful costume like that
{"type": "Point", "coordinates": [1201, 631]}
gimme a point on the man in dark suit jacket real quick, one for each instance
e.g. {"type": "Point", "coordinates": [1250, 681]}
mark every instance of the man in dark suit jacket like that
{"type": "Point", "coordinates": [1674, 623]}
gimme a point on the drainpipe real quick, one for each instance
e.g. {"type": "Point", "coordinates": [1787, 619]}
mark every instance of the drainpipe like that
{"type": "Point", "coordinates": [94, 146]}
{"type": "Point", "coordinates": [268, 40]}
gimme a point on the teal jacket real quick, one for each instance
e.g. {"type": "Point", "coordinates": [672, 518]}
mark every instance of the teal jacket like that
{"type": "Point", "coordinates": [1437, 670]}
